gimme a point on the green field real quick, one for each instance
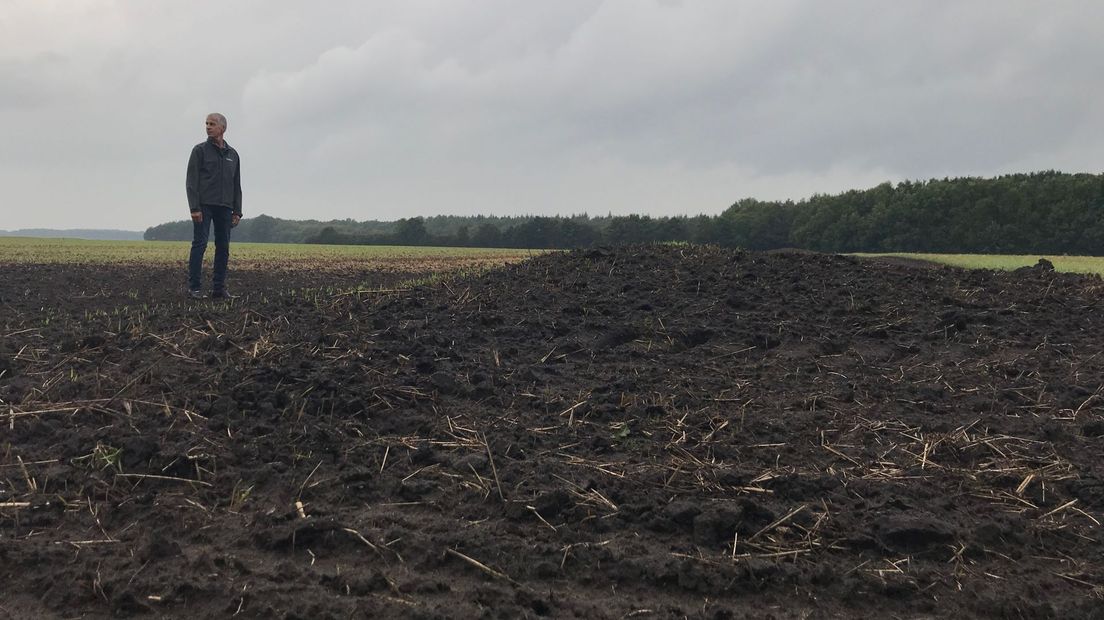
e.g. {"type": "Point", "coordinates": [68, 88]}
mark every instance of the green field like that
{"type": "Point", "coordinates": [1008, 262]}
{"type": "Point", "coordinates": [36, 250]}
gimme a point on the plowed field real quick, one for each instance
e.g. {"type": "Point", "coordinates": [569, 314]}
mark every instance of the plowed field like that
{"type": "Point", "coordinates": [644, 432]}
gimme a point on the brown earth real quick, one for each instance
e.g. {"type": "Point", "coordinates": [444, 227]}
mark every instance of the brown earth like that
{"type": "Point", "coordinates": [642, 432]}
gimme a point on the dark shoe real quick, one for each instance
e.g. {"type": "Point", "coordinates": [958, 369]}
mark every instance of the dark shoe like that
{"type": "Point", "coordinates": [223, 295]}
{"type": "Point", "coordinates": [196, 295]}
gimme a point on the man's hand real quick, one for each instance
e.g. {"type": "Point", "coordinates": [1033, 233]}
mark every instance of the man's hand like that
{"type": "Point", "coordinates": [197, 217]}
{"type": "Point", "coordinates": [234, 219]}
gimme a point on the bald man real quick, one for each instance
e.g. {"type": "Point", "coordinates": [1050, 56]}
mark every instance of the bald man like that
{"type": "Point", "coordinates": [214, 197]}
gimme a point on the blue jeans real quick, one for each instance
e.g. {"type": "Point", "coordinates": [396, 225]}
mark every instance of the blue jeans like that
{"type": "Point", "coordinates": [220, 217]}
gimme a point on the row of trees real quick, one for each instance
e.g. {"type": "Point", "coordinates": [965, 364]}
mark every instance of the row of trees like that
{"type": "Point", "coordinates": [1045, 212]}
{"type": "Point", "coordinates": [531, 232]}
{"type": "Point", "coordinates": [488, 232]}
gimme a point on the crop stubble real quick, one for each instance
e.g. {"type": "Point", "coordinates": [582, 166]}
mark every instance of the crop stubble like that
{"type": "Point", "coordinates": [649, 431]}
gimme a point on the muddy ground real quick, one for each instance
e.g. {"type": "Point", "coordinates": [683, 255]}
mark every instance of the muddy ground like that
{"type": "Point", "coordinates": [642, 432]}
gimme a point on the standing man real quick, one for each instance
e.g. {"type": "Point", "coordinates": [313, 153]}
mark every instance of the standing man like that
{"type": "Point", "coordinates": [214, 196]}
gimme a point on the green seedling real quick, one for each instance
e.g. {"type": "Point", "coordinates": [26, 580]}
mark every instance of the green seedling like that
{"type": "Point", "coordinates": [238, 496]}
{"type": "Point", "coordinates": [103, 456]}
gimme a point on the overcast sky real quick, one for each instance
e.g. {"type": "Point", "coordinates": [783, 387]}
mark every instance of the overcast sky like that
{"type": "Point", "coordinates": [382, 110]}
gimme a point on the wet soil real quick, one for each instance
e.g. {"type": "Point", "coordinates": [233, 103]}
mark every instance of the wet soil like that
{"type": "Point", "coordinates": [645, 432]}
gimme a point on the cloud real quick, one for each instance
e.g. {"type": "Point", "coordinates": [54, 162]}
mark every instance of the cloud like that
{"type": "Point", "coordinates": [388, 109]}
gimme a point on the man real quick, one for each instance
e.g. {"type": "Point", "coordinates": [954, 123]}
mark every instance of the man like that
{"type": "Point", "coordinates": [214, 197]}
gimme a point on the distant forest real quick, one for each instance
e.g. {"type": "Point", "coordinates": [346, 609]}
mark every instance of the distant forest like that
{"type": "Point", "coordinates": [1044, 212]}
{"type": "Point", "coordinates": [97, 234]}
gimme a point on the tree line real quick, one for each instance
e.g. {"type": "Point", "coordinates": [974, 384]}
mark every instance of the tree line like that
{"type": "Point", "coordinates": [1043, 212]}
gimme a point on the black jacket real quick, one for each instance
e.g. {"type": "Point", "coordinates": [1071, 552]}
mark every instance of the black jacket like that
{"type": "Point", "coordinates": [214, 177]}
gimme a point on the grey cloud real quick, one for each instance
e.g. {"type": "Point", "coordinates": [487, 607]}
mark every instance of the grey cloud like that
{"type": "Point", "coordinates": [388, 109]}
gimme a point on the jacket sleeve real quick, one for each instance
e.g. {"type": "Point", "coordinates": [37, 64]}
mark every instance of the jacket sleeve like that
{"type": "Point", "coordinates": [191, 183]}
{"type": "Point", "coordinates": [237, 208]}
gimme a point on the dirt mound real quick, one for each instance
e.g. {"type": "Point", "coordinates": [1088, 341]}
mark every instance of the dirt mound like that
{"type": "Point", "coordinates": [653, 431]}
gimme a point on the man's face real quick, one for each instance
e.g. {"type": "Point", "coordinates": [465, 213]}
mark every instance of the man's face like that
{"type": "Point", "coordinates": [214, 129]}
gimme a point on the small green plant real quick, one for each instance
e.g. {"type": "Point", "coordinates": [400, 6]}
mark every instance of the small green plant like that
{"type": "Point", "coordinates": [107, 457]}
{"type": "Point", "coordinates": [239, 495]}
{"type": "Point", "coordinates": [103, 456]}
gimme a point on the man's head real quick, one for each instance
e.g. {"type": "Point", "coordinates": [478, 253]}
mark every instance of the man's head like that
{"type": "Point", "coordinates": [216, 125]}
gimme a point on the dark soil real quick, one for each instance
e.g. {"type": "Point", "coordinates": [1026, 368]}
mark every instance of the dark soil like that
{"type": "Point", "coordinates": [643, 432]}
